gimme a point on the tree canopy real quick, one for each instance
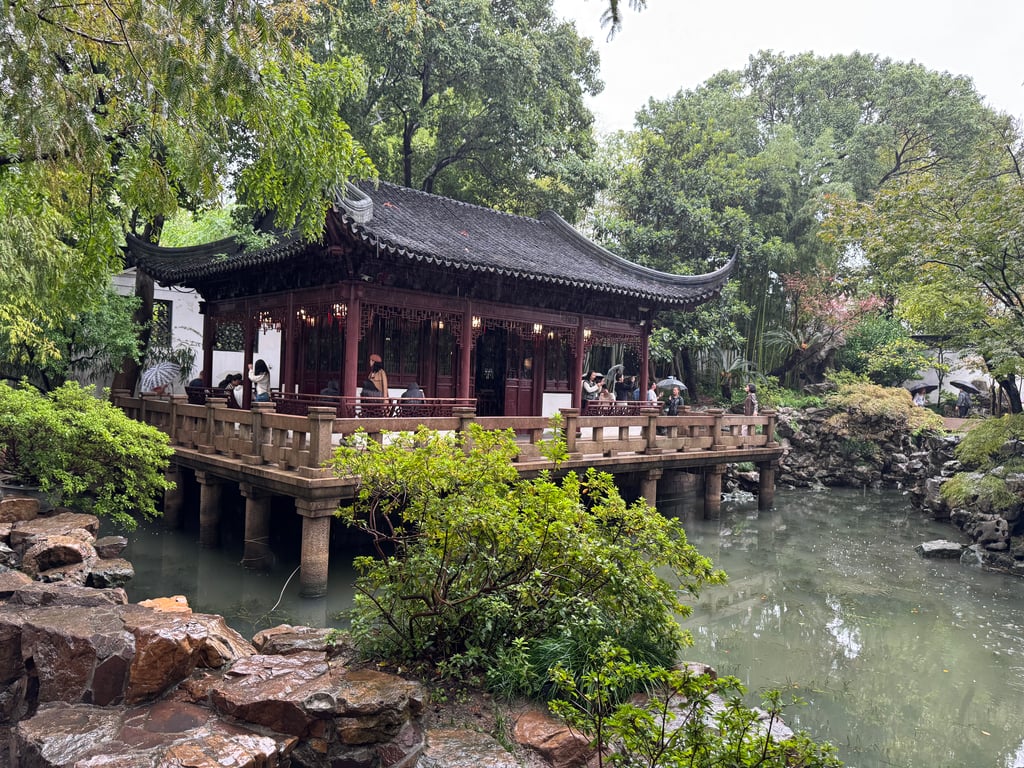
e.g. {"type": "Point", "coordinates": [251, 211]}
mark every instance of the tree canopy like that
{"type": "Point", "coordinates": [475, 100]}
{"type": "Point", "coordinates": [753, 161]}
{"type": "Point", "coordinates": [113, 115]}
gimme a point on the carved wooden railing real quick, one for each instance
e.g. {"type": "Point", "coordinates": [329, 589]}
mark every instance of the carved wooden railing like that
{"type": "Point", "coordinates": [302, 443]}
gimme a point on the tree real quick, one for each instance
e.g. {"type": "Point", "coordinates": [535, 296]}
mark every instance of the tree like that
{"type": "Point", "coordinates": [495, 575]}
{"type": "Point", "coordinates": [949, 241]}
{"type": "Point", "coordinates": [88, 345]}
{"type": "Point", "coordinates": [113, 116]}
{"type": "Point", "coordinates": [476, 100]}
{"type": "Point", "coordinates": [752, 160]}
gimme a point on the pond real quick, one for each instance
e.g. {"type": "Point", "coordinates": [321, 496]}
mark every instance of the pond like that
{"type": "Point", "coordinates": [903, 662]}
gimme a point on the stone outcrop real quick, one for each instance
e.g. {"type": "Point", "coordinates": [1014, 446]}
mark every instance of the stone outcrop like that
{"type": "Point", "coordinates": [89, 680]}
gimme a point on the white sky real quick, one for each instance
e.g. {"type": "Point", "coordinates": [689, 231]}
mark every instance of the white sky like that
{"type": "Point", "coordinates": [678, 44]}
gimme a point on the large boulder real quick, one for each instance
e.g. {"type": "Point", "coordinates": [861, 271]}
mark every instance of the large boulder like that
{"type": "Point", "coordinates": [170, 645]}
{"type": "Point", "coordinates": [455, 748]}
{"type": "Point", "coordinates": [24, 534]}
{"type": "Point", "coordinates": [164, 734]}
{"type": "Point", "coordinates": [15, 509]}
{"type": "Point", "coordinates": [559, 745]}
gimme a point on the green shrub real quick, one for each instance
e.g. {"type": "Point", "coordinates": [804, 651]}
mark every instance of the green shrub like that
{"type": "Point", "coordinates": [487, 573]}
{"type": "Point", "coordinates": [982, 447]}
{"type": "Point", "coordinates": [82, 451]}
{"type": "Point", "coordinates": [862, 401]}
{"type": "Point", "coordinates": [684, 719]}
{"type": "Point", "coordinates": [984, 451]}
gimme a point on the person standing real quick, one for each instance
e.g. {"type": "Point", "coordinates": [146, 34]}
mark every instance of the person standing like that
{"type": "Point", "coordinates": [259, 375]}
{"type": "Point", "coordinates": [623, 389]}
{"type": "Point", "coordinates": [749, 407]}
{"type": "Point", "coordinates": [750, 403]}
{"type": "Point", "coordinates": [652, 392]}
{"type": "Point", "coordinates": [592, 386]}
{"type": "Point", "coordinates": [963, 404]}
{"type": "Point", "coordinates": [674, 402]}
{"type": "Point", "coordinates": [376, 384]}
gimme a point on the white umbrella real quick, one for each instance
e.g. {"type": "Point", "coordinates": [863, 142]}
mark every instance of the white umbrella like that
{"type": "Point", "coordinates": [670, 382]}
{"type": "Point", "coordinates": [159, 375]}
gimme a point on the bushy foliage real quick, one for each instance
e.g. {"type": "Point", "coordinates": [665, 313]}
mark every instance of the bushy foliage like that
{"type": "Point", "coordinates": [989, 452]}
{"type": "Point", "coordinates": [880, 348]}
{"type": "Point", "coordinates": [491, 574]}
{"type": "Point", "coordinates": [984, 446]}
{"type": "Point", "coordinates": [89, 343]}
{"type": "Point", "coordinates": [861, 401]}
{"type": "Point", "coordinates": [685, 719]}
{"type": "Point", "coordinates": [987, 490]}
{"type": "Point", "coordinates": [83, 451]}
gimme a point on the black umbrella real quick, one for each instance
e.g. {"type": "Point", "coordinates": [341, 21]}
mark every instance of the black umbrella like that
{"type": "Point", "coordinates": [965, 387]}
{"type": "Point", "coordinates": [670, 382]}
{"type": "Point", "coordinates": [920, 386]}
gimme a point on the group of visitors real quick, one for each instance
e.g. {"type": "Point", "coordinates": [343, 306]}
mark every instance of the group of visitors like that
{"type": "Point", "coordinates": [258, 374]}
{"type": "Point", "coordinates": [595, 387]}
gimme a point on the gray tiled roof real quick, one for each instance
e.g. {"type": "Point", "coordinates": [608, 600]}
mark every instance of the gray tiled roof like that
{"type": "Point", "coordinates": [456, 236]}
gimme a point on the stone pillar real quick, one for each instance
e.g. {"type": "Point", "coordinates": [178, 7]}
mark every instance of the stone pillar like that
{"type": "Point", "coordinates": [210, 488]}
{"type": "Point", "coordinates": [649, 485]}
{"type": "Point", "coordinates": [713, 490]}
{"type": "Point", "coordinates": [256, 552]}
{"type": "Point", "coordinates": [316, 538]}
{"type": "Point", "coordinates": [174, 498]}
{"type": "Point", "coordinates": [571, 427]}
{"type": "Point", "coordinates": [765, 485]}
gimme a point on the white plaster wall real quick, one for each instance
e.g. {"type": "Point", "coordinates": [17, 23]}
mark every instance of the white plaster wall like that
{"type": "Point", "coordinates": [187, 330]}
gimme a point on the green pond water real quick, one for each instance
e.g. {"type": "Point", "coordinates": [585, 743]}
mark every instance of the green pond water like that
{"type": "Point", "coordinates": [902, 661]}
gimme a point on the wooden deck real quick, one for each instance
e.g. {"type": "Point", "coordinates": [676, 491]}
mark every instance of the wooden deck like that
{"type": "Point", "coordinates": [268, 452]}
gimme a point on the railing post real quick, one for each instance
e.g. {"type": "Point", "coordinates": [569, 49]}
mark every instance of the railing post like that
{"type": "Point", "coordinates": [256, 451]}
{"type": "Point", "coordinates": [321, 426]}
{"type": "Point", "coordinates": [649, 429]}
{"type": "Point", "coordinates": [716, 430]}
{"type": "Point", "coordinates": [211, 426]}
{"type": "Point", "coordinates": [466, 416]}
{"type": "Point", "coordinates": [570, 423]}
{"type": "Point", "coordinates": [769, 428]}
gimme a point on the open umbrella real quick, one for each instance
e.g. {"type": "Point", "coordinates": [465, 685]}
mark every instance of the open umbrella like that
{"type": "Point", "coordinates": [920, 386]}
{"type": "Point", "coordinates": [670, 382]}
{"type": "Point", "coordinates": [617, 368]}
{"type": "Point", "coordinates": [159, 375]}
{"type": "Point", "coordinates": [965, 387]}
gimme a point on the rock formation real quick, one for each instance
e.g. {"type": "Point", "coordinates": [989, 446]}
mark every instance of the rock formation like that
{"type": "Point", "coordinates": [91, 681]}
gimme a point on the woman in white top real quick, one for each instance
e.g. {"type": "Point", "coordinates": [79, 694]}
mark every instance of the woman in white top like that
{"type": "Point", "coordinates": [259, 375]}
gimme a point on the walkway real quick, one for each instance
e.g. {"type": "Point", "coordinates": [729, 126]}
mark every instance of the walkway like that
{"type": "Point", "coordinates": [265, 454]}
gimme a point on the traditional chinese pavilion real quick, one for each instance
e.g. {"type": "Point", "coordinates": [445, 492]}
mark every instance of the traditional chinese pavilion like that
{"type": "Point", "coordinates": [463, 300]}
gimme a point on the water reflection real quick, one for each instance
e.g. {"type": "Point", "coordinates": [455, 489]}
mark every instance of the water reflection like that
{"type": "Point", "coordinates": [172, 563]}
{"type": "Point", "coordinates": [903, 661]}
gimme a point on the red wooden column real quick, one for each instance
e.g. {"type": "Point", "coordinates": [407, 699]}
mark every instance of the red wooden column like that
{"type": "Point", "coordinates": [645, 358]}
{"type": "Point", "coordinates": [350, 376]}
{"type": "Point", "coordinates": [465, 352]}
{"type": "Point", "coordinates": [577, 365]}
{"type": "Point", "coordinates": [290, 338]}
{"type": "Point", "coordinates": [250, 342]}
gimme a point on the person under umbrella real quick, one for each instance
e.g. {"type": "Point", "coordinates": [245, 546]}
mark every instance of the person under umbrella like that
{"type": "Point", "coordinates": [157, 377]}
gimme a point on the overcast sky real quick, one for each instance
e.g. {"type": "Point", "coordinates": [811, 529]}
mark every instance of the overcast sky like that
{"type": "Point", "coordinates": [678, 44]}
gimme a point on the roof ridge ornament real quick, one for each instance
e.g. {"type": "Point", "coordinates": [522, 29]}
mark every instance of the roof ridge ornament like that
{"type": "Point", "coordinates": [356, 203]}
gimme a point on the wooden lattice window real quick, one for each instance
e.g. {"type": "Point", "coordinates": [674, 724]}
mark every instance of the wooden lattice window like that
{"type": "Point", "coordinates": [163, 316]}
